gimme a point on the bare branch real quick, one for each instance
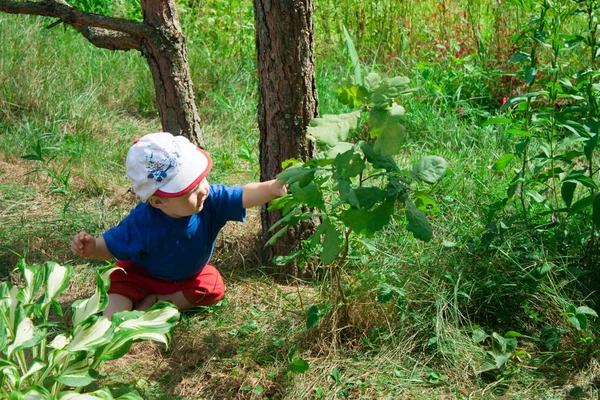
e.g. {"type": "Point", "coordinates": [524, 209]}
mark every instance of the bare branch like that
{"type": "Point", "coordinates": [73, 16]}
{"type": "Point", "coordinates": [110, 39]}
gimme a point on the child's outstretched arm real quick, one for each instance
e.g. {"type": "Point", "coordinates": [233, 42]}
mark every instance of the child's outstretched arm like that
{"type": "Point", "coordinates": [88, 246]}
{"type": "Point", "coordinates": [259, 193]}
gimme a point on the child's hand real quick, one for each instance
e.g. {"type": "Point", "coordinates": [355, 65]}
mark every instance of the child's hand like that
{"type": "Point", "coordinates": [278, 188]}
{"type": "Point", "coordinates": [83, 244]}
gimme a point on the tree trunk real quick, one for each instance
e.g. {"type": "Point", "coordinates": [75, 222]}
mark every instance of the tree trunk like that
{"type": "Point", "coordinates": [166, 54]}
{"type": "Point", "coordinates": [288, 98]}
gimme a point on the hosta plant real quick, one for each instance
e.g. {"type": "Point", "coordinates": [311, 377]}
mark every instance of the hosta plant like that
{"type": "Point", "coordinates": [354, 186]}
{"type": "Point", "coordinates": [46, 353]}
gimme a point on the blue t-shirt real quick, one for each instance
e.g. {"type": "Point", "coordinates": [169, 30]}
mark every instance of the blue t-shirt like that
{"type": "Point", "coordinates": [175, 248]}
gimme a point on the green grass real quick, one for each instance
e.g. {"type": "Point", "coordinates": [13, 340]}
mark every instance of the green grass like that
{"type": "Point", "coordinates": [419, 344]}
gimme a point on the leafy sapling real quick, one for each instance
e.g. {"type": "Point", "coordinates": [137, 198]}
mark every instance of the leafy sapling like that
{"type": "Point", "coordinates": [354, 185]}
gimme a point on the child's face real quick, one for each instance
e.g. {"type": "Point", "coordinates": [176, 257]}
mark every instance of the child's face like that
{"type": "Point", "coordinates": [183, 206]}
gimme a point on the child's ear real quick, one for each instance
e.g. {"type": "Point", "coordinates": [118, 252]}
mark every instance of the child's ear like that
{"type": "Point", "coordinates": [156, 201]}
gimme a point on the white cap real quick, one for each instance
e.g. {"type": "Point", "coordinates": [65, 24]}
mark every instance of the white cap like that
{"type": "Point", "coordinates": [167, 165]}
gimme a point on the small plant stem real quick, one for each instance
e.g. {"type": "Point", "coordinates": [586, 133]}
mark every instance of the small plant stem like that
{"type": "Point", "coordinates": [553, 97]}
{"type": "Point", "coordinates": [528, 112]}
{"type": "Point", "coordinates": [593, 110]}
{"type": "Point", "coordinates": [22, 361]}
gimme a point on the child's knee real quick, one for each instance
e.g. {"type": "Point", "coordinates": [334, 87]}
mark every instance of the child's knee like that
{"type": "Point", "coordinates": [198, 297]}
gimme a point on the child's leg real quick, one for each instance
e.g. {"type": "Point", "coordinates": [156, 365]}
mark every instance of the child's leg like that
{"type": "Point", "coordinates": [176, 298]}
{"type": "Point", "coordinates": [204, 289]}
{"type": "Point", "coordinates": [117, 303]}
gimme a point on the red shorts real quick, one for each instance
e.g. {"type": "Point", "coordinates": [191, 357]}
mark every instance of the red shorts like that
{"type": "Point", "coordinates": [135, 283]}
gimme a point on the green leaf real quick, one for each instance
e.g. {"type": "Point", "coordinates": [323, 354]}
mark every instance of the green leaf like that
{"type": "Point", "coordinates": [89, 335]}
{"type": "Point", "coordinates": [503, 162]}
{"type": "Point", "coordinates": [26, 336]}
{"type": "Point", "coordinates": [37, 392]}
{"type": "Point", "coordinates": [379, 117]}
{"type": "Point", "coordinates": [347, 194]}
{"type": "Point", "coordinates": [426, 203]}
{"type": "Point", "coordinates": [368, 196]}
{"type": "Point", "coordinates": [76, 374]}
{"type": "Point", "coordinates": [82, 309]}
{"type": "Point", "coordinates": [155, 324]}
{"type": "Point", "coordinates": [567, 191]}
{"type": "Point", "coordinates": [586, 310]}
{"type": "Point", "coordinates": [349, 94]}
{"type": "Point", "coordinates": [349, 164]}
{"type": "Point", "coordinates": [578, 177]}
{"type": "Point", "coordinates": [479, 335]}
{"type": "Point", "coordinates": [430, 169]}
{"type": "Point", "coordinates": [530, 73]}
{"type": "Point", "coordinates": [56, 280]}
{"type": "Point", "coordinates": [295, 174]}
{"type": "Point", "coordinates": [299, 366]}
{"type": "Point", "coordinates": [579, 321]}
{"type": "Point", "coordinates": [389, 138]}
{"type": "Point", "coordinates": [330, 129]}
{"type": "Point", "coordinates": [353, 57]}
{"type": "Point", "coordinates": [310, 195]}
{"type": "Point", "coordinates": [372, 82]}
{"type": "Point", "coordinates": [519, 57]}
{"type": "Point", "coordinates": [32, 279]}
{"type": "Point", "coordinates": [379, 161]}
{"type": "Point", "coordinates": [388, 90]}
{"type": "Point", "coordinates": [36, 366]}
{"type": "Point", "coordinates": [367, 222]}
{"type": "Point", "coordinates": [582, 204]}
{"type": "Point", "coordinates": [313, 316]}
{"type": "Point", "coordinates": [417, 222]}
{"type": "Point", "coordinates": [339, 148]}
{"type": "Point", "coordinates": [332, 243]}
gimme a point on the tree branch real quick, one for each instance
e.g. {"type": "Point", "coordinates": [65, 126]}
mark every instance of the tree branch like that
{"type": "Point", "coordinates": [73, 16]}
{"type": "Point", "coordinates": [109, 39]}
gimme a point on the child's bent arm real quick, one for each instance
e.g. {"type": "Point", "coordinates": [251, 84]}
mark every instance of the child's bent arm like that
{"type": "Point", "coordinates": [259, 193]}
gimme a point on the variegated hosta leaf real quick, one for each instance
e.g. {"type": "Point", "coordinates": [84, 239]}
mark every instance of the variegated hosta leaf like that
{"type": "Point", "coordinates": [8, 308]}
{"type": "Point", "coordinates": [76, 374]}
{"type": "Point", "coordinates": [26, 336]}
{"type": "Point", "coordinates": [32, 279]}
{"type": "Point", "coordinates": [57, 280]}
{"type": "Point", "coordinates": [36, 366]}
{"type": "Point", "coordinates": [160, 318]}
{"type": "Point", "coordinates": [91, 334]}
{"type": "Point", "coordinates": [3, 334]}
{"type": "Point", "coordinates": [102, 394]}
{"type": "Point", "coordinates": [155, 324]}
{"type": "Point", "coordinates": [122, 342]}
{"type": "Point", "coordinates": [82, 309]}
{"type": "Point", "coordinates": [59, 342]}
{"type": "Point", "coordinates": [57, 357]}
{"type": "Point", "coordinates": [37, 393]}
{"type": "Point", "coordinates": [10, 373]}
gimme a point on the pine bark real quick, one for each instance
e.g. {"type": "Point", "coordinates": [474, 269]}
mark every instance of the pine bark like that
{"type": "Point", "coordinates": [288, 99]}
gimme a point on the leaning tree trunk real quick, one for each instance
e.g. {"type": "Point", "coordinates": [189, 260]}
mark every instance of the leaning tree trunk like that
{"type": "Point", "coordinates": [165, 52]}
{"type": "Point", "coordinates": [159, 38]}
{"type": "Point", "coordinates": [288, 97]}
